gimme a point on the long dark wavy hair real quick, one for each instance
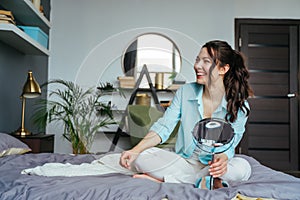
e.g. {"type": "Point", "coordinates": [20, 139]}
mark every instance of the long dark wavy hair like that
{"type": "Point", "coordinates": [237, 88]}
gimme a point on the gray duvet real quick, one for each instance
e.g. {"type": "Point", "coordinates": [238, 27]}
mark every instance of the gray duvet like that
{"type": "Point", "coordinates": [264, 182]}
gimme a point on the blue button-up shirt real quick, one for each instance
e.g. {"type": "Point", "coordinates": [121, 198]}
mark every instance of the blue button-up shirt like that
{"type": "Point", "coordinates": [187, 107]}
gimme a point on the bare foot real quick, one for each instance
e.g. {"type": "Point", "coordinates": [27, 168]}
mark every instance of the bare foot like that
{"type": "Point", "coordinates": [145, 176]}
{"type": "Point", "coordinates": [203, 184]}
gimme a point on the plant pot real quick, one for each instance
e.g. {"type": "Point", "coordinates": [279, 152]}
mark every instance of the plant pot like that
{"type": "Point", "coordinates": [78, 147]}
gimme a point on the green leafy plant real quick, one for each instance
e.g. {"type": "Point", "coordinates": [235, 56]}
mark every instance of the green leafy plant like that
{"type": "Point", "coordinates": [78, 110]}
{"type": "Point", "coordinates": [108, 88]}
{"type": "Point", "coordinates": [173, 75]}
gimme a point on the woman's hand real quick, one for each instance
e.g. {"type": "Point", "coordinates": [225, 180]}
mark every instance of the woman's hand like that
{"type": "Point", "coordinates": [127, 157]}
{"type": "Point", "coordinates": [219, 166]}
{"type": "Point", "coordinates": [150, 140]}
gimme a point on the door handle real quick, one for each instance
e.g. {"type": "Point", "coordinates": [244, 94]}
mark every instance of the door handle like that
{"type": "Point", "coordinates": [291, 95]}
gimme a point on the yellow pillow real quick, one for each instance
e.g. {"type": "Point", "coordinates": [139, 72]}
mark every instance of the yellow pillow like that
{"type": "Point", "coordinates": [12, 151]}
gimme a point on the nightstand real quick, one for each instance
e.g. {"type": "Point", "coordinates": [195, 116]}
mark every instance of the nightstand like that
{"type": "Point", "coordinates": [39, 143]}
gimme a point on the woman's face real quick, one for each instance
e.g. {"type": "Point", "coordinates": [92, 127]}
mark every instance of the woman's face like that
{"type": "Point", "coordinates": [202, 68]}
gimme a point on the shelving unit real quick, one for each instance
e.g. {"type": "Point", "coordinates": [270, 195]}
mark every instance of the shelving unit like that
{"type": "Point", "coordinates": [24, 12]}
{"type": "Point", "coordinates": [20, 53]}
{"type": "Point", "coordinates": [137, 89]}
{"type": "Point", "coordinates": [14, 37]}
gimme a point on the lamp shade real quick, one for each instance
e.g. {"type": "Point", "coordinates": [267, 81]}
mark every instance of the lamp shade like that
{"type": "Point", "coordinates": [31, 88]}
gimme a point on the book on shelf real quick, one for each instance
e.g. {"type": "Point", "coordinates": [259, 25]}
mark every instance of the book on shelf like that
{"type": "Point", "coordinates": [7, 21]}
{"type": "Point", "coordinates": [6, 17]}
{"type": "Point", "coordinates": [7, 13]}
{"type": "Point", "coordinates": [126, 81]}
{"type": "Point", "coordinates": [174, 86]}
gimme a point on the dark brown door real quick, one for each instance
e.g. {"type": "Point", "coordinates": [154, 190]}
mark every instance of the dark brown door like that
{"type": "Point", "coordinates": [271, 51]}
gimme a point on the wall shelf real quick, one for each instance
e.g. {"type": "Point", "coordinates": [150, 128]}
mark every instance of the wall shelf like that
{"type": "Point", "coordinates": [16, 38]}
{"type": "Point", "coordinates": [26, 13]}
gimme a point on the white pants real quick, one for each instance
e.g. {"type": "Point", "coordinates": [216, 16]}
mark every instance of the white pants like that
{"type": "Point", "coordinates": [171, 167]}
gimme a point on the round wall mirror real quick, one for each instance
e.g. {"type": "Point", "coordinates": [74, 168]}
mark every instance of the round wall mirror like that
{"type": "Point", "coordinates": [158, 52]}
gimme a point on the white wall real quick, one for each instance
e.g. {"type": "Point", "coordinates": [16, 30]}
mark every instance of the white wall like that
{"type": "Point", "coordinates": [88, 37]}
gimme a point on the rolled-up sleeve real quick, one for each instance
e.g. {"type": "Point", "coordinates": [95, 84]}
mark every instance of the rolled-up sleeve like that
{"type": "Point", "coordinates": [166, 124]}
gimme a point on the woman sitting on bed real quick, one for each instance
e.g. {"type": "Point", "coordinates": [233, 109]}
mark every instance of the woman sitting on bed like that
{"type": "Point", "coordinates": [220, 91]}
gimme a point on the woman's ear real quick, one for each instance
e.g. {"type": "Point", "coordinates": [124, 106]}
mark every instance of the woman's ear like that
{"type": "Point", "coordinates": [224, 69]}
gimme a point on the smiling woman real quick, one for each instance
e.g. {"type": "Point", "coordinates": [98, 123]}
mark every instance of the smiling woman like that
{"type": "Point", "coordinates": [158, 52]}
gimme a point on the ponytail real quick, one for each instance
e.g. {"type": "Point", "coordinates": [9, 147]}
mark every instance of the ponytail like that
{"type": "Point", "coordinates": [237, 88]}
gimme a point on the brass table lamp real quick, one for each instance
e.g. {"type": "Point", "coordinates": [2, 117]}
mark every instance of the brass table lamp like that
{"type": "Point", "coordinates": [31, 89]}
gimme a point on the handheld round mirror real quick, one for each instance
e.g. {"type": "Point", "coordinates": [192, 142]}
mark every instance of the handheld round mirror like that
{"type": "Point", "coordinates": [212, 133]}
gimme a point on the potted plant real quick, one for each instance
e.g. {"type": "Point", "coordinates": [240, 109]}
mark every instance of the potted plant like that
{"type": "Point", "coordinates": [78, 110]}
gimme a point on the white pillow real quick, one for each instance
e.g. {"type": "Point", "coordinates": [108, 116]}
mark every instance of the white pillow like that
{"type": "Point", "coordinates": [10, 145]}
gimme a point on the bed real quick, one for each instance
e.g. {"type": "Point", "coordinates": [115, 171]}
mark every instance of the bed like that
{"type": "Point", "coordinates": [15, 156]}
